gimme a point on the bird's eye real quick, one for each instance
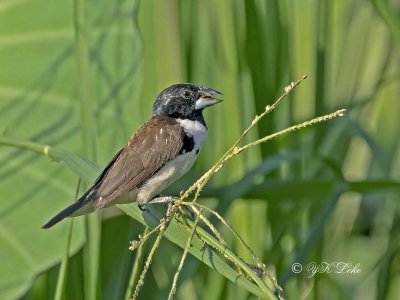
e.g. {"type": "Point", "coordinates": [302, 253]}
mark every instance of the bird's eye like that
{"type": "Point", "coordinates": [186, 94]}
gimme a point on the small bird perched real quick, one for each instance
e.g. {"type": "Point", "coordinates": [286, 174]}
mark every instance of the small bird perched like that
{"type": "Point", "coordinates": [160, 152]}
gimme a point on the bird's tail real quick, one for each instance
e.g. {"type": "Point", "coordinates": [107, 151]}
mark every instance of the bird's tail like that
{"type": "Point", "coordinates": [75, 209]}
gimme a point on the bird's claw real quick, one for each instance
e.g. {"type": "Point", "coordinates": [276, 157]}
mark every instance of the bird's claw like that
{"type": "Point", "coordinates": [142, 207]}
{"type": "Point", "coordinates": [170, 201]}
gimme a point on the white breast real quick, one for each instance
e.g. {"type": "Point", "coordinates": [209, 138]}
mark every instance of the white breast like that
{"type": "Point", "coordinates": [175, 168]}
{"type": "Point", "coordinates": [196, 130]}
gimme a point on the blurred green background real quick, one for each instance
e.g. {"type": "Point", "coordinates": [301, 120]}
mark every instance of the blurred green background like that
{"type": "Point", "coordinates": [329, 193]}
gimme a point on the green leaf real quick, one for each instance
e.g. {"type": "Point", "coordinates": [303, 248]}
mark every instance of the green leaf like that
{"type": "Point", "coordinates": [25, 249]}
{"type": "Point", "coordinates": [177, 232]}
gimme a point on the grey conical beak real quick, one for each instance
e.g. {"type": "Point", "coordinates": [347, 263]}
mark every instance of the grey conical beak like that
{"type": "Point", "coordinates": [207, 98]}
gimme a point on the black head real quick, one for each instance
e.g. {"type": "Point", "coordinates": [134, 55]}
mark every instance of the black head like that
{"type": "Point", "coordinates": [184, 101]}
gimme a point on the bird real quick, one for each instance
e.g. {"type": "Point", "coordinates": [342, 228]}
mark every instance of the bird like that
{"type": "Point", "coordinates": [156, 155]}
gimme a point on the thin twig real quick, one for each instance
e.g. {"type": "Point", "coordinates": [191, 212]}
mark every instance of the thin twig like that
{"type": "Point", "coordinates": [142, 238]}
{"type": "Point", "coordinates": [148, 263]}
{"type": "Point", "coordinates": [183, 258]}
{"type": "Point", "coordinates": [258, 261]}
{"type": "Point", "coordinates": [162, 227]}
{"type": "Point", "coordinates": [136, 265]}
{"type": "Point", "coordinates": [338, 113]}
{"type": "Point", "coordinates": [223, 221]}
{"type": "Point", "coordinates": [201, 182]}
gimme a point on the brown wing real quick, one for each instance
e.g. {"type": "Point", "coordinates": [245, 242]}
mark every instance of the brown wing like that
{"type": "Point", "coordinates": [157, 142]}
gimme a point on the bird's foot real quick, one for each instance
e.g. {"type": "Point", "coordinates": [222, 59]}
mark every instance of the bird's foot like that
{"type": "Point", "coordinates": [142, 207]}
{"type": "Point", "coordinates": [163, 199]}
{"type": "Point", "coordinates": [183, 208]}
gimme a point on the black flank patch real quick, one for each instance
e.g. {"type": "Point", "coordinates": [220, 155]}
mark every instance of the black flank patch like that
{"type": "Point", "coordinates": [188, 144]}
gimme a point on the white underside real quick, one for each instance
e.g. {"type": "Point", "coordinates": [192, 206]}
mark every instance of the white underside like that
{"type": "Point", "coordinates": [167, 175]}
{"type": "Point", "coordinates": [177, 167]}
